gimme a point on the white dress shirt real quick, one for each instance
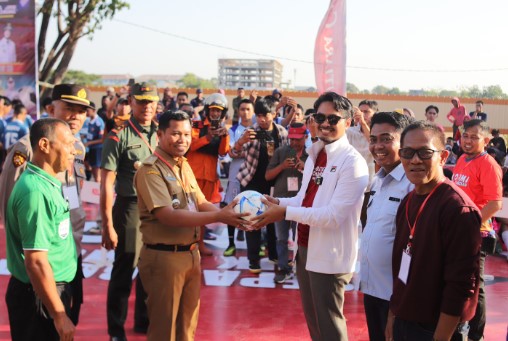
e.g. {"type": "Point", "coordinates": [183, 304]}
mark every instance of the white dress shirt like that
{"type": "Point", "coordinates": [387, 192]}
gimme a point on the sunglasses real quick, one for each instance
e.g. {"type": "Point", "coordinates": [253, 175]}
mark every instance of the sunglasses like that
{"type": "Point", "coordinates": [320, 118]}
{"type": "Point", "coordinates": [423, 154]}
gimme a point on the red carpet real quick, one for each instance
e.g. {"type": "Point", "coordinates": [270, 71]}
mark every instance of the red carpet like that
{"type": "Point", "coordinates": [236, 305]}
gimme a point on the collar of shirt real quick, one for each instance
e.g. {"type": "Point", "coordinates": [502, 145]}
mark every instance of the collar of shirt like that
{"type": "Point", "coordinates": [153, 126]}
{"type": "Point", "coordinates": [43, 174]}
{"type": "Point", "coordinates": [397, 173]}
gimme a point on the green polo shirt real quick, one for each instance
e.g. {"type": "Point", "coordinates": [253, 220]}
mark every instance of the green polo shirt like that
{"type": "Point", "coordinates": [38, 218]}
{"type": "Point", "coordinates": [122, 148]}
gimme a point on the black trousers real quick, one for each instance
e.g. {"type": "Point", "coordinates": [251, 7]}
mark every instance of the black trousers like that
{"type": "Point", "coordinates": [413, 331]}
{"type": "Point", "coordinates": [376, 312]}
{"type": "Point", "coordinates": [477, 323]}
{"type": "Point", "coordinates": [28, 318]}
{"type": "Point", "coordinates": [77, 292]}
{"type": "Point", "coordinates": [126, 223]}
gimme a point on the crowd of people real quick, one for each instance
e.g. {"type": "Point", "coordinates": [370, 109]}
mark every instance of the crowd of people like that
{"type": "Point", "coordinates": [334, 176]}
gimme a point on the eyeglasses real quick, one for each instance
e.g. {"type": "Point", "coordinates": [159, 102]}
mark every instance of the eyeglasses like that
{"type": "Point", "coordinates": [423, 154]}
{"type": "Point", "coordinates": [320, 118]}
{"type": "Point", "coordinates": [382, 139]}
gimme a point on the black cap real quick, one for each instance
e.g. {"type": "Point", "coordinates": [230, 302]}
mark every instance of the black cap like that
{"type": "Point", "coordinates": [71, 93]}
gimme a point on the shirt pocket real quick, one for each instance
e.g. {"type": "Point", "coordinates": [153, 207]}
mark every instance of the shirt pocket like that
{"type": "Point", "coordinates": [178, 198]}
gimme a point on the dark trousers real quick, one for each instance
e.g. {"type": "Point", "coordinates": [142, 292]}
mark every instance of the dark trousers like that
{"type": "Point", "coordinates": [28, 318]}
{"type": "Point", "coordinates": [376, 312]}
{"type": "Point", "coordinates": [477, 323]}
{"type": "Point", "coordinates": [253, 239]}
{"type": "Point", "coordinates": [413, 331]}
{"type": "Point", "coordinates": [77, 292]}
{"type": "Point", "coordinates": [126, 223]}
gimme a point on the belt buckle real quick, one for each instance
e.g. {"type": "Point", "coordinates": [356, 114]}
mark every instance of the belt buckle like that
{"type": "Point", "coordinates": [193, 247]}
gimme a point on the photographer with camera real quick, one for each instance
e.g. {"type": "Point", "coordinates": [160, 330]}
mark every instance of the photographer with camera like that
{"type": "Point", "coordinates": [210, 139]}
{"type": "Point", "coordinates": [257, 146]}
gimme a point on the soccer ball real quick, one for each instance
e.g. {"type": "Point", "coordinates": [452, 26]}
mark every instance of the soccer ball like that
{"type": "Point", "coordinates": [250, 202]}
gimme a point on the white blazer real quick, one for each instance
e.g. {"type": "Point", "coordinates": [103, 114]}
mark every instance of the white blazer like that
{"type": "Point", "coordinates": [335, 213]}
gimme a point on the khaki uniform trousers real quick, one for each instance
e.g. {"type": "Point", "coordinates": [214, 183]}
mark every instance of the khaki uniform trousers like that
{"type": "Point", "coordinates": [172, 281]}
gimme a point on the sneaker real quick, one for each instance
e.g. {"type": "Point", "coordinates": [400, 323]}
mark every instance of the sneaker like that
{"type": "Point", "coordinates": [283, 276]}
{"type": "Point", "coordinates": [209, 236]}
{"type": "Point", "coordinates": [230, 251]}
{"type": "Point", "coordinates": [240, 236]}
{"type": "Point", "coordinates": [254, 267]}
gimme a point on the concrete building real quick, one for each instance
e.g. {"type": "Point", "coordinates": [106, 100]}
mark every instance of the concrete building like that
{"type": "Point", "coordinates": [262, 74]}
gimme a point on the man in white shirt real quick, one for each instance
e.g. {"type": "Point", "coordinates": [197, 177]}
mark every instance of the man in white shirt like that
{"type": "Point", "coordinates": [327, 210]}
{"type": "Point", "coordinates": [7, 46]}
{"type": "Point", "coordinates": [388, 188]}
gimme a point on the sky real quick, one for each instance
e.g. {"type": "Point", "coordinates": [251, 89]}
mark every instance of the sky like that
{"type": "Point", "coordinates": [465, 41]}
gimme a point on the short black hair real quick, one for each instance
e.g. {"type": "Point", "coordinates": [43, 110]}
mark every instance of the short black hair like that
{"type": "Point", "coordinates": [438, 135]}
{"type": "Point", "coordinates": [473, 123]}
{"type": "Point", "coordinates": [370, 103]}
{"type": "Point", "coordinates": [46, 101]}
{"type": "Point", "coordinates": [340, 103]}
{"type": "Point", "coordinates": [400, 122]}
{"type": "Point", "coordinates": [479, 102]}
{"type": "Point", "coordinates": [7, 101]}
{"type": "Point", "coordinates": [44, 127]}
{"type": "Point", "coordinates": [245, 100]}
{"type": "Point", "coordinates": [18, 108]}
{"type": "Point", "coordinates": [182, 93]}
{"type": "Point", "coordinates": [265, 106]}
{"type": "Point", "coordinates": [432, 107]}
{"type": "Point", "coordinates": [166, 118]}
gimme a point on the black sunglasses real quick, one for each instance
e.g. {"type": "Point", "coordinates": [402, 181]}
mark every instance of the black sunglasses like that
{"type": "Point", "coordinates": [423, 154]}
{"type": "Point", "coordinates": [320, 118]}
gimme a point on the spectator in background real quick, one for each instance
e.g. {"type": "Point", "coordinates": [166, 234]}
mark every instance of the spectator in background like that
{"type": "Point", "coordinates": [44, 104]}
{"type": "Point", "coordinates": [199, 99]}
{"type": "Point", "coordinates": [408, 112]}
{"type": "Point", "coordinates": [457, 116]}
{"type": "Point", "coordinates": [17, 127]}
{"type": "Point", "coordinates": [359, 134]}
{"type": "Point", "coordinates": [478, 113]}
{"type": "Point", "coordinates": [277, 94]}
{"type": "Point", "coordinates": [236, 104]}
{"type": "Point", "coordinates": [159, 111]}
{"type": "Point", "coordinates": [121, 114]}
{"type": "Point", "coordinates": [245, 112]}
{"type": "Point", "coordinates": [94, 138]}
{"type": "Point", "coordinates": [286, 169]}
{"type": "Point", "coordinates": [168, 100]}
{"type": "Point", "coordinates": [481, 178]}
{"type": "Point", "coordinates": [452, 158]}
{"type": "Point", "coordinates": [431, 113]}
{"type": "Point", "coordinates": [182, 98]}
{"type": "Point", "coordinates": [498, 141]}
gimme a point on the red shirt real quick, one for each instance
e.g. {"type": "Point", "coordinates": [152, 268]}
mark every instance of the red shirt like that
{"type": "Point", "coordinates": [308, 200]}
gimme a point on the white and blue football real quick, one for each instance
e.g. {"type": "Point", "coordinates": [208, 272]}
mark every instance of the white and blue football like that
{"type": "Point", "coordinates": [250, 202]}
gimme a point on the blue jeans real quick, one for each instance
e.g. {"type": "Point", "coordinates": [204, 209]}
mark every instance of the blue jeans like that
{"type": "Point", "coordinates": [282, 231]}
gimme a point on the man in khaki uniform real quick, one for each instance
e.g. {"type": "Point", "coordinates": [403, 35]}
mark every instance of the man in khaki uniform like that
{"type": "Point", "coordinates": [172, 207]}
{"type": "Point", "coordinates": [69, 103]}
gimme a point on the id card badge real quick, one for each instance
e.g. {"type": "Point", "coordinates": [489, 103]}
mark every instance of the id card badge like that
{"type": "Point", "coordinates": [71, 195]}
{"type": "Point", "coordinates": [404, 266]}
{"type": "Point", "coordinates": [191, 205]}
{"type": "Point", "coordinates": [293, 184]}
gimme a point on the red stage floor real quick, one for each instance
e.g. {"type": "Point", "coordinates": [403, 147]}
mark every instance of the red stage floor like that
{"type": "Point", "coordinates": [236, 305]}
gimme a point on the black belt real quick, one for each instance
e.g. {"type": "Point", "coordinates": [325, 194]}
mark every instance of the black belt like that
{"type": "Point", "coordinates": [172, 248]}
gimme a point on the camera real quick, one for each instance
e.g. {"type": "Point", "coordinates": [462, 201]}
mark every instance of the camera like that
{"type": "Point", "coordinates": [215, 124]}
{"type": "Point", "coordinates": [262, 135]}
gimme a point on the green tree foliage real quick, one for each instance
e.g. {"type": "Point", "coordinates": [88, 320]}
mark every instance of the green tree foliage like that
{"type": "Point", "coordinates": [80, 77]}
{"type": "Point", "coordinates": [190, 80]}
{"type": "Point", "coordinates": [74, 19]}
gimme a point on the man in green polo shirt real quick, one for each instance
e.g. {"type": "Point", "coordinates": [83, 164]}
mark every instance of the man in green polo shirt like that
{"type": "Point", "coordinates": [41, 254]}
{"type": "Point", "coordinates": [123, 150]}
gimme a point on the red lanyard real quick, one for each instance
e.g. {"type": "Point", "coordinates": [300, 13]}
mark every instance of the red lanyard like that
{"type": "Point", "coordinates": [141, 136]}
{"type": "Point", "coordinates": [420, 210]}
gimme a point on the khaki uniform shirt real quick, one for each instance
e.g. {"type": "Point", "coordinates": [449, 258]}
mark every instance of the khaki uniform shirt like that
{"type": "Point", "coordinates": [158, 186]}
{"type": "Point", "coordinates": [15, 164]}
{"type": "Point", "coordinates": [123, 150]}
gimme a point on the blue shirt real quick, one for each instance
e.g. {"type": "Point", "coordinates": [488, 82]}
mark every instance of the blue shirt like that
{"type": "Point", "coordinates": [95, 131]}
{"type": "Point", "coordinates": [13, 132]}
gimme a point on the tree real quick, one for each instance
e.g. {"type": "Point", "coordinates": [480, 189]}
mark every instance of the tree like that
{"type": "Point", "coordinates": [380, 89]}
{"type": "Point", "coordinates": [74, 20]}
{"type": "Point", "coordinates": [493, 91]}
{"type": "Point", "coordinates": [80, 77]}
{"type": "Point", "coordinates": [352, 89]}
{"type": "Point", "coordinates": [190, 80]}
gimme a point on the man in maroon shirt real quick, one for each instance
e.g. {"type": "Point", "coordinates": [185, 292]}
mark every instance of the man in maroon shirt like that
{"type": "Point", "coordinates": [436, 250]}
